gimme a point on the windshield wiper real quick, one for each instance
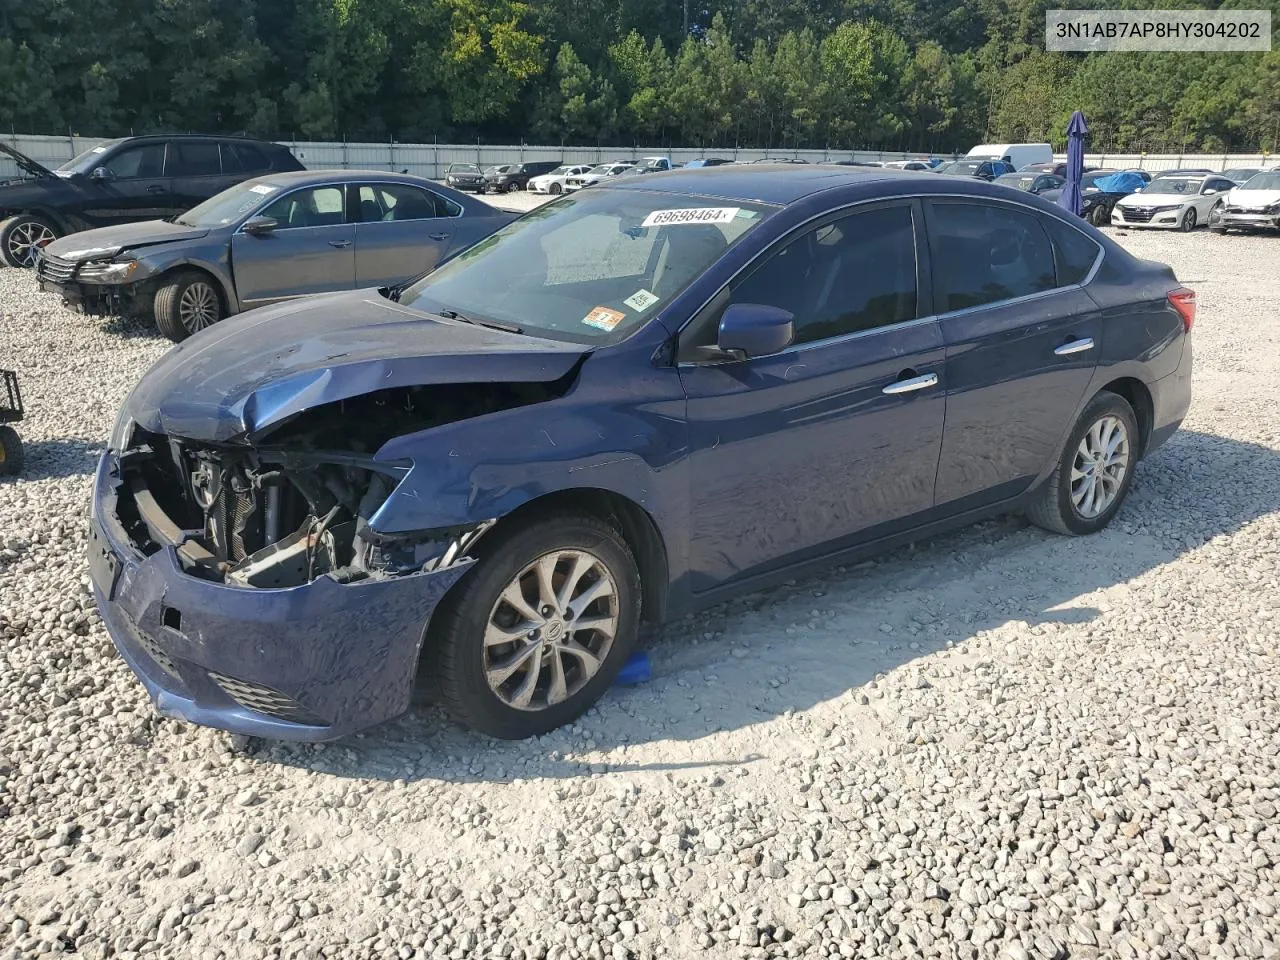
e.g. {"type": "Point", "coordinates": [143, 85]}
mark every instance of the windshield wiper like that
{"type": "Point", "coordinates": [492, 324]}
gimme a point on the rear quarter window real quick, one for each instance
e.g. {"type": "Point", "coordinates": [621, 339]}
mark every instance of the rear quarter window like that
{"type": "Point", "coordinates": [1074, 253]}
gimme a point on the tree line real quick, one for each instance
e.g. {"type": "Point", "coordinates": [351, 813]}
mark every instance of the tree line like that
{"type": "Point", "coordinates": [926, 75]}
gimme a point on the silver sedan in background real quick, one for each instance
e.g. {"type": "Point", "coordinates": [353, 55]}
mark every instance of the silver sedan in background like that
{"type": "Point", "coordinates": [266, 240]}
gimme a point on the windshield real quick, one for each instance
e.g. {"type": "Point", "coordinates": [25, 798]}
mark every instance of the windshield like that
{"type": "Point", "coordinates": [86, 161]}
{"type": "Point", "coordinates": [558, 171]}
{"type": "Point", "coordinates": [1019, 180]}
{"type": "Point", "coordinates": [1174, 185]}
{"type": "Point", "coordinates": [228, 206]}
{"type": "Point", "coordinates": [593, 266]}
{"type": "Point", "coordinates": [1263, 181]}
{"type": "Point", "coordinates": [464, 168]}
{"type": "Point", "coordinates": [963, 167]}
{"type": "Point", "coordinates": [651, 163]}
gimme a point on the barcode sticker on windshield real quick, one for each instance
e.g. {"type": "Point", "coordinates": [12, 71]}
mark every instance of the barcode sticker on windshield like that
{"type": "Point", "coordinates": [262, 188]}
{"type": "Point", "coordinates": [669, 218]}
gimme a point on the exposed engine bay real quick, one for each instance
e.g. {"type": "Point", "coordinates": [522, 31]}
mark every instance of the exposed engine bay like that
{"type": "Point", "coordinates": [284, 511]}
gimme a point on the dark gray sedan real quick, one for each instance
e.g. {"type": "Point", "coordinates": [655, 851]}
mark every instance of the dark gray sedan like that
{"type": "Point", "coordinates": [265, 240]}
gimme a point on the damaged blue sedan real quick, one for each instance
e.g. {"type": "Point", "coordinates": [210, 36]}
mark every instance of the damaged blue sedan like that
{"type": "Point", "coordinates": [630, 403]}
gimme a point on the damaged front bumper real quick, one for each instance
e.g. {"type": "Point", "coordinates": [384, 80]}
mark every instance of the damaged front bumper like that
{"type": "Point", "coordinates": [95, 296]}
{"type": "Point", "coordinates": [314, 660]}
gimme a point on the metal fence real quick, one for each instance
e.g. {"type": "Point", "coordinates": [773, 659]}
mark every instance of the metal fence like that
{"type": "Point", "coordinates": [432, 159]}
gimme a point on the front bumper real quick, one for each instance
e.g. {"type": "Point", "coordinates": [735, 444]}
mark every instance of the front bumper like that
{"type": "Point", "coordinates": [1164, 220]}
{"type": "Point", "coordinates": [1248, 221]}
{"type": "Point", "coordinates": [314, 662]}
{"type": "Point", "coordinates": [94, 299]}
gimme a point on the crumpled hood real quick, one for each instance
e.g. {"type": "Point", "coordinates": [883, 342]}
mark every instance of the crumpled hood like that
{"type": "Point", "coordinates": [260, 368]}
{"type": "Point", "coordinates": [1253, 199]}
{"type": "Point", "coordinates": [110, 241]}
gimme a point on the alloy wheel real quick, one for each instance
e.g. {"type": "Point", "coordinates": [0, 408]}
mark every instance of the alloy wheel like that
{"type": "Point", "coordinates": [550, 630]}
{"type": "Point", "coordinates": [1100, 466]}
{"type": "Point", "coordinates": [26, 241]}
{"type": "Point", "coordinates": [198, 306]}
{"type": "Point", "coordinates": [1189, 220]}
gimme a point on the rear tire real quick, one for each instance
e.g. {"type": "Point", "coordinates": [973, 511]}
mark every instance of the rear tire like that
{"type": "Point", "coordinates": [22, 237]}
{"type": "Point", "coordinates": [1063, 504]}
{"type": "Point", "coordinates": [12, 456]}
{"type": "Point", "coordinates": [463, 669]}
{"type": "Point", "coordinates": [186, 303]}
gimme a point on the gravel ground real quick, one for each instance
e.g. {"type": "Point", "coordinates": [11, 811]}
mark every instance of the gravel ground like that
{"type": "Point", "coordinates": [1000, 743]}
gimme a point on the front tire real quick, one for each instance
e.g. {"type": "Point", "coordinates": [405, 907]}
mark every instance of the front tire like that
{"type": "Point", "coordinates": [1188, 222]}
{"type": "Point", "coordinates": [535, 633]}
{"type": "Point", "coordinates": [556, 189]}
{"type": "Point", "coordinates": [1094, 472]}
{"type": "Point", "coordinates": [513, 188]}
{"type": "Point", "coordinates": [187, 303]}
{"type": "Point", "coordinates": [23, 237]}
{"type": "Point", "coordinates": [12, 456]}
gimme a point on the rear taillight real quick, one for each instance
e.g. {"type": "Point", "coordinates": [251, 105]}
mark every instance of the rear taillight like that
{"type": "Point", "coordinates": [1184, 301]}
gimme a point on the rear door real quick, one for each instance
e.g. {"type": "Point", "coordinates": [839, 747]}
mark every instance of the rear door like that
{"type": "Point", "coordinates": [195, 167]}
{"type": "Point", "coordinates": [311, 250]}
{"type": "Point", "coordinates": [1022, 340]}
{"type": "Point", "coordinates": [401, 230]}
{"type": "Point", "coordinates": [134, 188]}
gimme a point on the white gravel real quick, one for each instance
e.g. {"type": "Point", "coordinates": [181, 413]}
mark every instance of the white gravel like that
{"type": "Point", "coordinates": [1001, 743]}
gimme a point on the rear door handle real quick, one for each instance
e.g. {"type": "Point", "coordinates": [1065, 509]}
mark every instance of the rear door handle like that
{"type": "Point", "coordinates": [438, 236]}
{"type": "Point", "coordinates": [340, 244]}
{"type": "Point", "coordinates": [156, 188]}
{"type": "Point", "coordinates": [912, 384]}
{"type": "Point", "coordinates": [1075, 346]}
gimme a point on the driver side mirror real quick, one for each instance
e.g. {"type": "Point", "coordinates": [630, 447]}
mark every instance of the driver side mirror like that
{"type": "Point", "coordinates": [101, 173]}
{"type": "Point", "coordinates": [755, 330]}
{"type": "Point", "coordinates": [257, 226]}
{"type": "Point", "coordinates": [1210, 192]}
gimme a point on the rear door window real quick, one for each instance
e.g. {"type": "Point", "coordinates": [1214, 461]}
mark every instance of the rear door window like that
{"type": "Point", "coordinates": [985, 253]}
{"type": "Point", "coordinates": [193, 159]}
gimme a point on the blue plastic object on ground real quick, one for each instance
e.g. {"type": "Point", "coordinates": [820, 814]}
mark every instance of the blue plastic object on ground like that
{"type": "Point", "coordinates": [635, 670]}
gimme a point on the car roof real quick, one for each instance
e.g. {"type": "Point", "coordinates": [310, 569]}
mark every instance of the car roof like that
{"type": "Point", "coordinates": [195, 136]}
{"type": "Point", "coordinates": [294, 178]}
{"type": "Point", "coordinates": [780, 183]}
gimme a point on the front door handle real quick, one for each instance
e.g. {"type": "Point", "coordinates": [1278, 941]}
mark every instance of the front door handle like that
{"type": "Point", "coordinates": [1075, 346]}
{"type": "Point", "coordinates": [911, 384]}
{"type": "Point", "coordinates": [340, 244]}
{"type": "Point", "coordinates": [156, 188]}
{"type": "Point", "coordinates": [438, 236]}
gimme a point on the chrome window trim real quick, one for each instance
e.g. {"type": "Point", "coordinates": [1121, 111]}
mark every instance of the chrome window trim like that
{"type": "Point", "coordinates": [938, 317]}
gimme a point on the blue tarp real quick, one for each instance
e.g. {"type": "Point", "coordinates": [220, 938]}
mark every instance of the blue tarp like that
{"type": "Point", "coordinates": [1119, 183]}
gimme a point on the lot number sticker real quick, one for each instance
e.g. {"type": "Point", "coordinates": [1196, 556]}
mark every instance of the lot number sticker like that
{"type": "Point", "coordinates": [670, 218]}
{"type": "Point", "coordinates": [602, 318]}
{"type": "Point", "coordinates": [640, 301]}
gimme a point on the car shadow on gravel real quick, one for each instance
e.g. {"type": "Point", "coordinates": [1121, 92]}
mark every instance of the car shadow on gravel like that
{"type": "Point", "coordinates": [787, 649]}
{"type": "Point", "coordinates": [47, 459]}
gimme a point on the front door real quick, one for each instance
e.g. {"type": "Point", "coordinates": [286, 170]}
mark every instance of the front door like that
{"type": "Point", "coordinates": [1022, 338]}
{"type": "Point", "coordinates": [836, 438]}
{"type": "Point", "coordinates": [132, 187]}
{"type": "Point", "coordinates": [401, 231]}
{"type": "Point", "coordinates": [311, 250]}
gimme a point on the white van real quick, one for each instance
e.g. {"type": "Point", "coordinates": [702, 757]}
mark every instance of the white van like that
{"type": "Point", "coordinates": [1019, 154]}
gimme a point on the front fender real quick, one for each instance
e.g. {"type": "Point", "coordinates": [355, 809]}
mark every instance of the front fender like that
{"type": "Point", "coordinates": [625, 434]}
{"type": "Point", "coordinates": [215, 261]}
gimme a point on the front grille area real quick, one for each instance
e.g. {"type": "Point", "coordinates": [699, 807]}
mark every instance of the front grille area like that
{"type": "Point", "coordinates": [55, 269]}
{"type": "Point", "coordinates": [264, 700]}
{"type": "Point", "coordinates": [149, 647]}
{"type": "Point", "coordinates": [1138, 214]}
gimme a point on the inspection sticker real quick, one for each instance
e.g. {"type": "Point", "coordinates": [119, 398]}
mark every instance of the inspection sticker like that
{"type": "Point", "coordinates": [641, 300]}
{"type": "Point", "coordinates": [262, 188]}
{"type": "Point", "coordinates": [603, 318]}
{"type": "Point", "coordinates": [669, 218]}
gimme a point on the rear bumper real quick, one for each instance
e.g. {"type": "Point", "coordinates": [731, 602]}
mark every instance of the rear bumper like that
{"type": "Point", "coordinates": [1170, 400]}
{"type": "Point", "coordinates": [314, 662]}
